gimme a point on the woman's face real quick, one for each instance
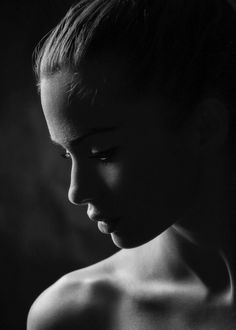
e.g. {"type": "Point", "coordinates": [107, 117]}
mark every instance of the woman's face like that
{"type": "Point", "coordinates": [135, 175]}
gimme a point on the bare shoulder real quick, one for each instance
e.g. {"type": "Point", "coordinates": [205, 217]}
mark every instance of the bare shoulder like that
{"type": "Point", "coordinates": [55, 306]}
{"type": "Point", "coordinates": [77, 300]}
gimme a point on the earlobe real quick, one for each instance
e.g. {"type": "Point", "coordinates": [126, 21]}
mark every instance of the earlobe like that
{"type": "Point", "coordinates": [211, 124]}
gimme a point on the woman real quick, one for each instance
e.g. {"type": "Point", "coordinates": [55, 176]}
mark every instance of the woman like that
{"type": "Point", "coordinates": [140, 94]}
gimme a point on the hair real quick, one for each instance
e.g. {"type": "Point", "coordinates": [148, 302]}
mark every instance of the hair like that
{"type": "Point", "coordinates": [176, 49]}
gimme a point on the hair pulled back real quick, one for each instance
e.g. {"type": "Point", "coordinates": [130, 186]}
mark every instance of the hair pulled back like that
{"type": "Point", "coordinates": [179, 49]}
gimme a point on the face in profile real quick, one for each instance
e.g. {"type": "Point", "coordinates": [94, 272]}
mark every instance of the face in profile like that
{"type": "Point", "coordinates": [136, 176]}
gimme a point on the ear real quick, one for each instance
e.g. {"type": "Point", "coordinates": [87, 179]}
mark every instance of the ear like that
{"type": "Point", "coordinates": [210, 125]}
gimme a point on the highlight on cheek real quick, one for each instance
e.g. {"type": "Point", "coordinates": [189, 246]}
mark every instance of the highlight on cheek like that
{"type": "Point", "coordinates": [111, 174]}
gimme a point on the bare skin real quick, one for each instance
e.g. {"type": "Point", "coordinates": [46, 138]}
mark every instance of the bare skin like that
{"type": "Point", "coordinates": [175, 269]}
{"type": "Point", "coordinates": [122, 292]}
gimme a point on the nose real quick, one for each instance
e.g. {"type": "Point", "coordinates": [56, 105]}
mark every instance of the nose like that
{"type": "Point", "coordinates": [82, 185]}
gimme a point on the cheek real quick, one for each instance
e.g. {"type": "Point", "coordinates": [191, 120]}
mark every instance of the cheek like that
{"type": "Point", "coordinates": [175, 183]}
{"type": "Point", "coordinates": [146, 182]}
{"type": "Point", "coordinates": [164, 183]}
{"type": "Point", "coordinates": [111, 175]}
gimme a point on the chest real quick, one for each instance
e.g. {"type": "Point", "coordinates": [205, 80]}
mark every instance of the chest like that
{"type": "Point", "coordinates": [164, 314]}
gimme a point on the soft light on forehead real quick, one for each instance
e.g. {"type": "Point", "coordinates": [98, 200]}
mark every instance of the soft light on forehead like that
{"type": "Point", "coordinates": [69, 121]}
{"type": "Point", "coordinates": [55, 103]}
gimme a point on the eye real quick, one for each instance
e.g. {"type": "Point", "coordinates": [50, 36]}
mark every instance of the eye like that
{"type": "Point", "coordinates": [66, 155]}
{"type": "Point", "coordinates": [104, 155]}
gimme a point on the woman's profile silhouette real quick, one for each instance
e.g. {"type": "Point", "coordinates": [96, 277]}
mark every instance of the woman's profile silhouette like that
{"type": "Point", "coordinates": [141, 96]}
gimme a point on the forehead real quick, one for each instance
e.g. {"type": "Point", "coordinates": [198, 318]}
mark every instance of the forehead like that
{"type": "Point", "coordinates": [68, 119]}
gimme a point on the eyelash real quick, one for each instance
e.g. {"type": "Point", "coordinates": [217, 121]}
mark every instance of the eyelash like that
{"type": "Point", "coordinates": [104, 156]}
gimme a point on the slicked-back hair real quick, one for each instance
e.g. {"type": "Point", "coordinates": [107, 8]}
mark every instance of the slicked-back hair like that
{"type": "Point", "coordinates": [176, 49]}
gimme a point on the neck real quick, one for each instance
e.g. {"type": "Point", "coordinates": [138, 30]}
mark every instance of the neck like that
{"type": "Point", "coordinates": [204, 236]}
{"type": "Point", "coordinates": [212, 265]}
{"type": "Point", "coordinates": [174, 258]}
{"type": "Point", "coordinates": [199, 248]}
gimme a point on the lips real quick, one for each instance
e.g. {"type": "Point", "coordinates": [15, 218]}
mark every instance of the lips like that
{"type": "Point", "coordinates": [106, 225]}
{"type": "Point", "coordinates": [107, 228]}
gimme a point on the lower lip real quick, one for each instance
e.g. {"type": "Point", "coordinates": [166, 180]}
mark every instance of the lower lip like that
{"type": "Point", "coordinates": [108, 228]}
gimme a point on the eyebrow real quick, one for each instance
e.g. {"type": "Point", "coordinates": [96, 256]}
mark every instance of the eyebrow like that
{"type": "Point", "coordinates": [93, 131]}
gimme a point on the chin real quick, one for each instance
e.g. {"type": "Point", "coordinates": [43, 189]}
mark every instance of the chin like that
{"type": "Point", "coordinates": [126, 242]}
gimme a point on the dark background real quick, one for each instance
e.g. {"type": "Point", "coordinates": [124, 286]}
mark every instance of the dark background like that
{"type": "Point", "coordinates": [42, 235]}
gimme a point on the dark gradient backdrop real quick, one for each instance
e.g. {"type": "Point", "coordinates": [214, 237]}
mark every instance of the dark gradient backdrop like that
{"type": "Point", "coordinates": [42, 235]}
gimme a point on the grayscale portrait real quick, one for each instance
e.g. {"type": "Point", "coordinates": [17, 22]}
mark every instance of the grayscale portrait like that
{"type": "Point", "coordinates": [134, 227]}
